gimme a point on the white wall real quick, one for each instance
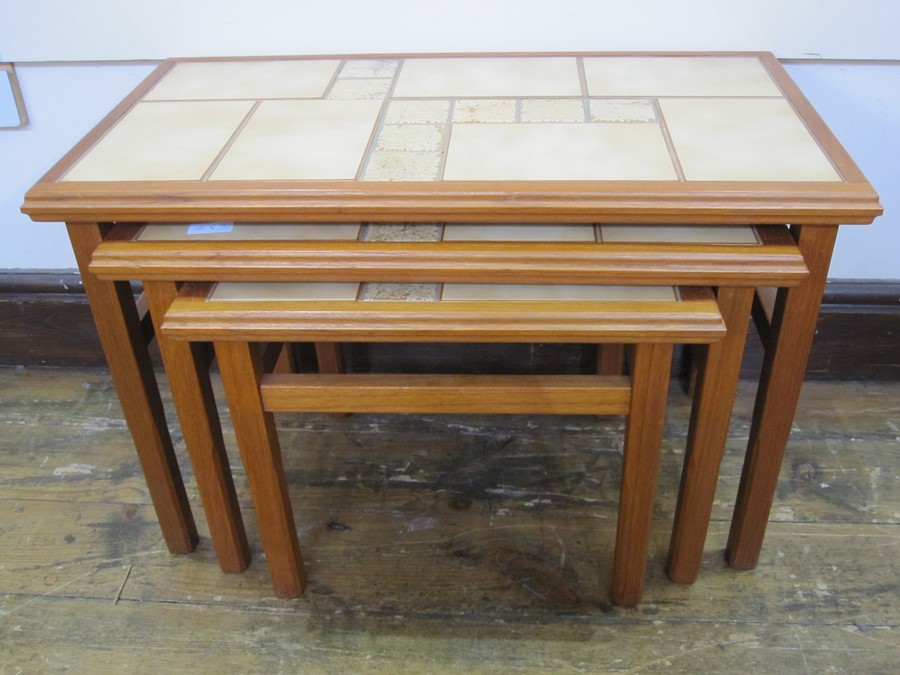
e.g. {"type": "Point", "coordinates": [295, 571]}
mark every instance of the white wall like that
{"type": "Point", "coordinates": [41, 30]}
{"type": "Point", "coordinates": [860, 101]}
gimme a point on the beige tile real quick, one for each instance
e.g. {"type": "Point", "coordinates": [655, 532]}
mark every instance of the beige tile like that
{"type": "Point", "coordinates": [468, 111]}
{"type": "Point", "coordinates": [479, 76]}
{"type": "Point", "coordinates": [234, 291]}
{"type": "Point", "coordinates": [517, 232]}
{"type": "Point", "coordinates": [369, 68]}
{"type": "Point", "coordinates": [374, 292]}
{"type": "Point", "coordinates": [350, 90]}
{"type": "Point", "coordinates": [744, 140]}
{"type": "Point", "coordinates": [391, 165]}
{"type": "Point", "coordinates": [622, 110]}
{"type": "Point", "coordinates": [253, 232]}
{"type": "Point", "coordinates": [418, 112]}
{"type": "Point", "coordinates": [678, 76]}
{"type": "Point", "coordinates": [246, 79]}
{"type": "Point", "coordinates": [525, 292]}
{"type": "Point", "coordinates": [684, 234]}
{"type": "Point", "coordinates": [558, 152]}
{"type": "Point", "coordinates": [413, 137]}
{"type": "Point", "coordinates": [162, 141]}
{"type": "Point", "coordinates": [549, 110]}
{"type": "Point", "coordinates": [402, 232]}
{"type": "Point", "coordinates": [301, 140]}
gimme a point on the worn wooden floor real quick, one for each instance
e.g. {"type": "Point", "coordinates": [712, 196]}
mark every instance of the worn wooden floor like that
{"type": "Point", "coordinates": [444, 544]}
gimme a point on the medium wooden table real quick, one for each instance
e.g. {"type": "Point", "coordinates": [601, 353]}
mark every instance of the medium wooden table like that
{"type": "Point", "coordinates": [645, 139]}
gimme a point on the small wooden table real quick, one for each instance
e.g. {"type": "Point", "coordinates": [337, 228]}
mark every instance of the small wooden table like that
{"type": "Point", "coordinates": [693, 139]}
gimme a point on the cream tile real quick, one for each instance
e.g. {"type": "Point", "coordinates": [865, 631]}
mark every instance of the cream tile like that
{"type": "Point", "coordinates": [517, 232]}
{"type": "Point", "coordinates": [677, 76]}
{"type": "Point", "coordinates": [235, 291]}
{"type": "Point", "coordinates": [390, 165]}
{"type": "Point", "coordinates": [413, 137]}
{"type": "Point", "coordinates": [162, 141]}
{"type": "Point", "coordinates": [348, 90]}
{"type": "Point", "coordinates": [301, 140]}
{"type": "Point", "coordinates": [488, 110]}
{"type": "Point", "coordinates": [370, 68]}
{"type": "Point", "coordinates": [418, 112]}
{"type": "Point", "coordinates": [550, 110]}
{"type": "Point", "coordinates": [402, 232]}
{"type": "Point", "coordinates": [306, 78]}
{"type": "Point", "coordinates": [744, 140]}
{"type": "Point", "coordinates": [558, 152]}
{"type": "Point", "coordinates": [373, 292]}
{"type": "Point", "coordinates": [525, 292]}
{"type": "Point", "coordinates": [254, 232]}
{"type": "Point", "coordinates": [479, 76]}
{"type": "Point", "coordinates": [684, 234]}
{"type": "Point", "coordinates": [622, 110]}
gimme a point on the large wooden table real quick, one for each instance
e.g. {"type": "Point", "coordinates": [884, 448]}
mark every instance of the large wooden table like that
{"type": "Point", "coordinates": [640, 139]}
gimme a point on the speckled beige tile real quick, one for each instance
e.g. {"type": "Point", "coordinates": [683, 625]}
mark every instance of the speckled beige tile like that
{"type": "Point", "coordinates": [558, 152]}
{"type": "Point", "coordinates": [411, 137]}
{"type": "Point", "coordinates": [246, 79]}
{"type": "Point", "coordinates": [622, 110]}
{"type": "Point", "coordinates": [392, 165]}
{"type": "Point", "coordinates": [301, 140]}
{"type": "Point", "coordinates": [518, 232]}
{"type": "Point", "coordinates": [417, 112]}
{"type": "Point", "coordinates": [162, 141]}
{"type": "Point", "coordinates": [401, 232]}
{"type": "Point", "coordinates": [369, 68]}
{"type": "Point", "coordinates": [468, 111]}
{"type": "Point", "coordinates": [677, 76]}
{"type": "Point", "coordinates": [252, 232]}
{"type": "Point", "coordinates": [373, 292]}
{"type": "Point", "coordinates": [560, 292]}
{"type": "Point", "coordinates": [685, 234]}
{"type": "Point", "coordinates": [343, 90]}
{"type": "Point", "coordinates": [550, 110]}
{"type": "Point", "coordinates": [744, 140]}
{"type": "Point", "coordinates": [486, 76]}
{"type": "Point", "coordinates": [236, 291]}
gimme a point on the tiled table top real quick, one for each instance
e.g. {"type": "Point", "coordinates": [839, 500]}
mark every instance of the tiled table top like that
{"type": "Point", "coordinates": [431, 119]}
{"type": "Point", "coordinates": [349, 128]}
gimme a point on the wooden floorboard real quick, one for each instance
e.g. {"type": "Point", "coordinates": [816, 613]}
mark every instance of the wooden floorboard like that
{"type": "Point", "coordinates": [444, 543]}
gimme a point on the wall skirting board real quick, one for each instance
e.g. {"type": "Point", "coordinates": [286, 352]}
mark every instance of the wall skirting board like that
{"type": "Point", "coordinates": [45, 321]}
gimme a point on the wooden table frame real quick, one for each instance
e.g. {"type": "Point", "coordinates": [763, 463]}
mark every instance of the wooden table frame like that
{"type": "Point", "coordinates": [814, 209]}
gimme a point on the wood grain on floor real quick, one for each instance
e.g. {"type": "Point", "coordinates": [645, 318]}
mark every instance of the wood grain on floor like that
{"type": "Point", "coordinates": [444, 544]}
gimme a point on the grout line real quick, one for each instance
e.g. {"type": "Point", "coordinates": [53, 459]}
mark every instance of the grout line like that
{"type": "Point", "coordinates": [585, 94]}
{"type": "Point", "coordinates": [379, 123]}
{"type": "Point", "coordinates": [670, 146]}
{"type": "Point", "coordinates": [224, 151]}
{"type": "Point", "coordinates": [445, 146]}
{"type": "Point", "coordinates": [334, 78]}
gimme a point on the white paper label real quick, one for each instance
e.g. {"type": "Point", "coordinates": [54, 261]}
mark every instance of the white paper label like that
{"type": "Point", "coordinates": [210, 228]}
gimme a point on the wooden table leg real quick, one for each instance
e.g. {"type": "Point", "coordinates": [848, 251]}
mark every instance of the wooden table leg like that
{"type": "Point", "coordinates": [650, 370]}
{"type": "Point", "coordinates": [188, 373]}
{"type": "Point", "coordinates": [119, 327]}
{"type": "Point", "coordinates": [240, 364]}
{"type": "Point", "coordinates": [718, 372]}
{"type": "Point", "coordinates": [793, 327]}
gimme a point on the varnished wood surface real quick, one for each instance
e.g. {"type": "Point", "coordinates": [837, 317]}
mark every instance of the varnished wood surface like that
{"type": "Point", "coordinates": [850, 201]}
{"type": "Point", "coordinates": [445, 544]}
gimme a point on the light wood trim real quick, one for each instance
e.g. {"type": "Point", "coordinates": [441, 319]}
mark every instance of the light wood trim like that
{"type": "Point", "coordinates": [695, 202]}
{"type": "Point", "coordinates": [777, 261]}
{"type": "Point", "coordinates": [501, 394]}
{"type": "Point", "coordinates": [191, 317]}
